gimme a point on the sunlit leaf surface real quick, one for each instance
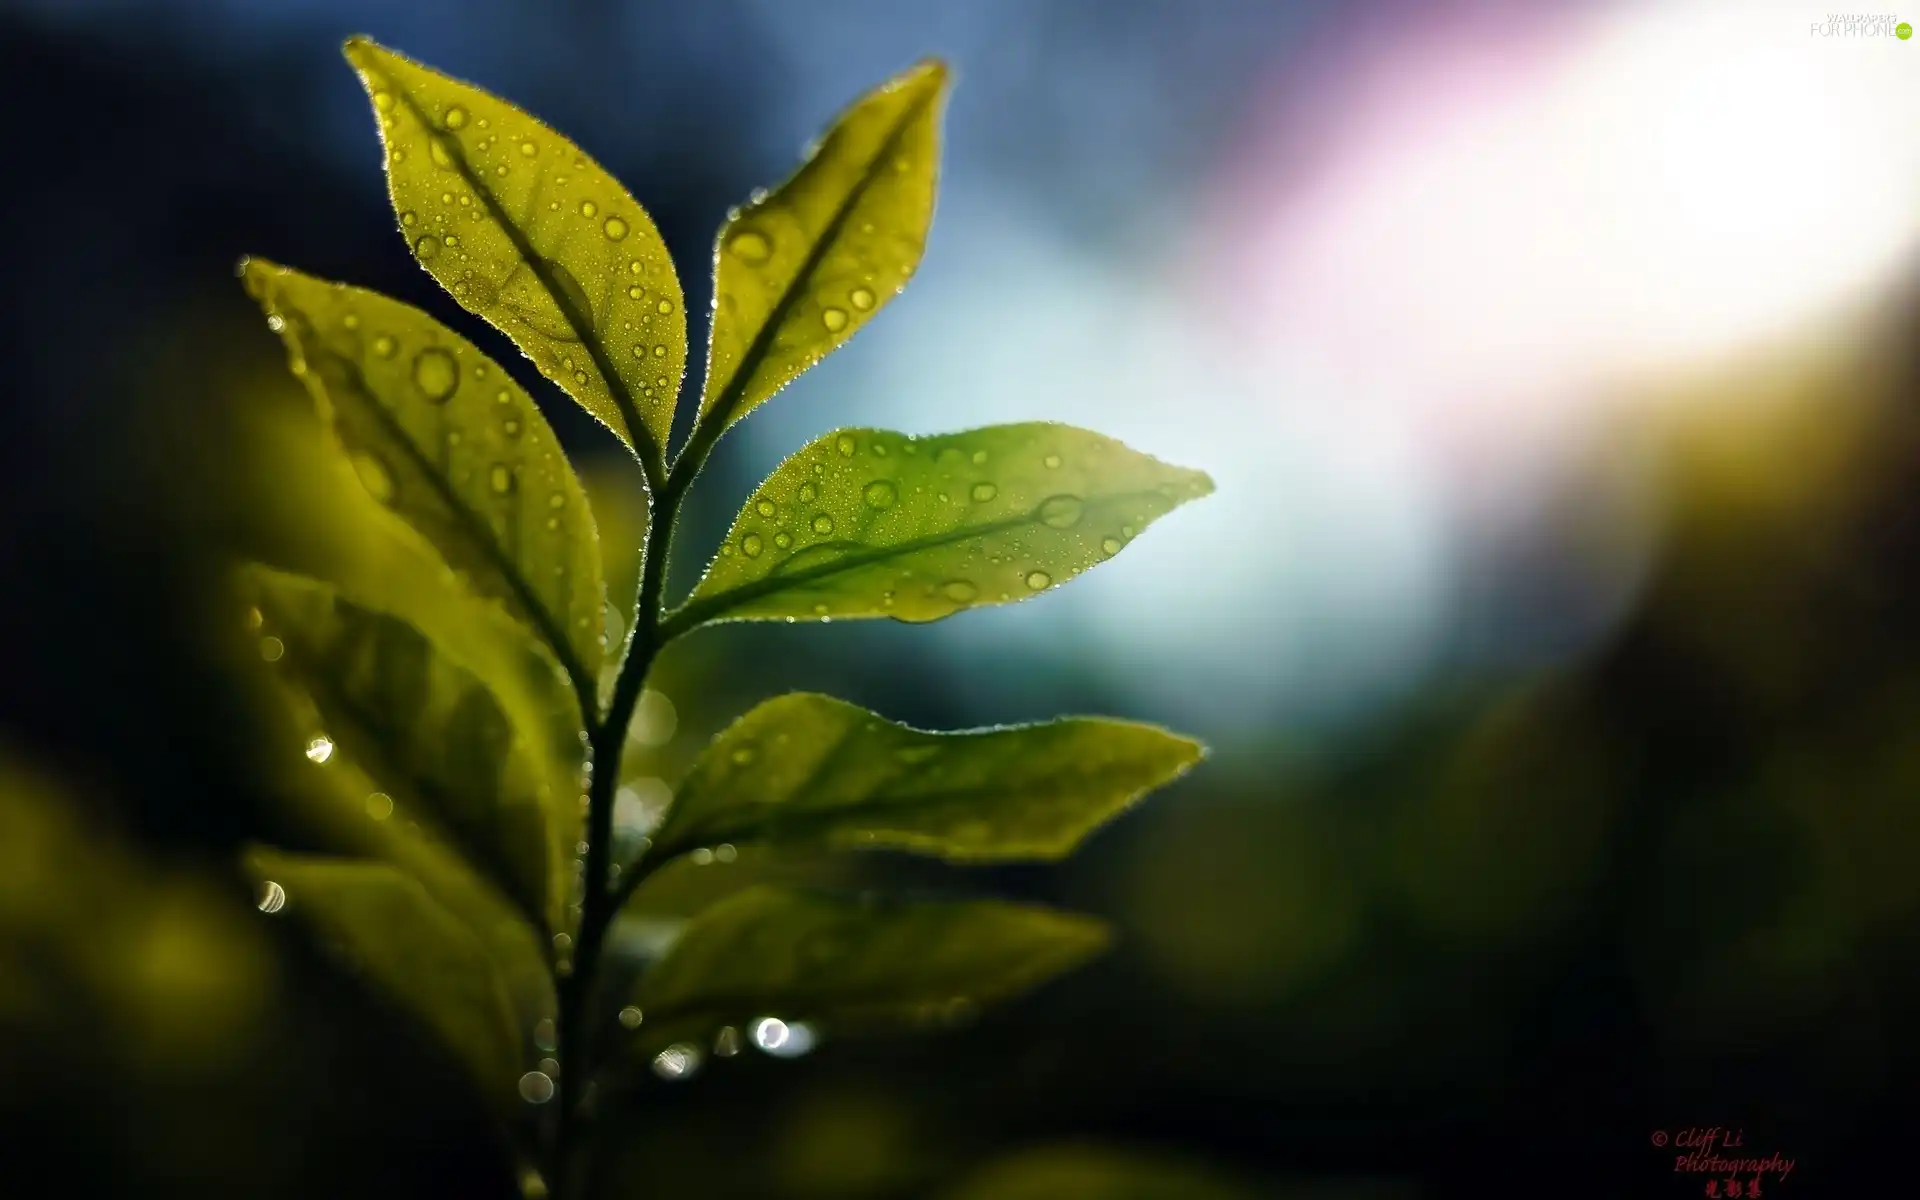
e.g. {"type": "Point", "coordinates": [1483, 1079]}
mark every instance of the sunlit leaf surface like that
{"type": "Point", "coordinates": [385, 925]}
{"type": "Point", "coordinates": [528, 232]}
{"type": "Point", "coordinates": [451, 443]}
{"type": "Point", "coordinates": [801, 268]}
{"type": "Point", "coordinates": [808, 956]}
{"type": "Point", "coordinates": [865, 523]}
{"type": "Point", "coordinates": [429, 733]}
{"type": "Point", "coordinates": [810, 769]}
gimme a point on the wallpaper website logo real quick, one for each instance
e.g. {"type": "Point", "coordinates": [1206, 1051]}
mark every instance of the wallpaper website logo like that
{"type": "Point", "coordinates": [1862, 25]}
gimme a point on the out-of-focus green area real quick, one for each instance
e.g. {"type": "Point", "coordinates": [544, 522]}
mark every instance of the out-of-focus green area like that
{"type": "Point", "coordinates": [1486, 937]}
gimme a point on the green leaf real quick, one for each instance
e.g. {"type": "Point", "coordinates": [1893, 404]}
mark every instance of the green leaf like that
{"type": "Point", "coordinates": [806, 956]}
{"type": "Point", "coordinates": [812, 770]}
{"type": "Point", "coordinates": [335, 807]}
{"type": "Point", "coordinates": [800, 269]}
{"type": "Point", "coordinates": [409, 947]}
{"type": "Point", "coordinates": [528, 232]}
{"type": "Point", "coordinates": [864, 523]}
{"type": "Point", "coordinates": [448, 440]}
{"type": "Point", "coordinates": [437, 741]}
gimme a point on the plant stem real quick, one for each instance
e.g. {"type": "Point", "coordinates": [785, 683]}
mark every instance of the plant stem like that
{"type": "Point", "coordinates": [606, 742]}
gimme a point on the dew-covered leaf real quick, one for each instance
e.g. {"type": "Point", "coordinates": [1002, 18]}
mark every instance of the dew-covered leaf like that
{"type": "Point", "coordinates": [865, 523]}
{"type": "Point", "coordinates": [807, 769]}
{"type": "Point", "coordinates": [856, 961]}
{"type": "Point", "coordinates": [528, 232]}
{"type": "Point", "coordinates": [429, 734]}
{"type": "Point", "coordinates": [447, 439]}
{"type": "Point", "coordinates": [801, 268]}
{"type": "Point", "coordinates": [385, 925]}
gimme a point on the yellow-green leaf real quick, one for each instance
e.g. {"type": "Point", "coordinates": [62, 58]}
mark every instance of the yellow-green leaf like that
{"type": "Point", "coordinates": [404, 943]}
{"type": "Point", "coordinates": [855, 961]}
{"type": "Point", "coordinates": [528, 232]}
{"type": "Point", "coordinates": [800, 269]}
{"type": "Point", "coordinates": [865, 523]}
{"type": "Point", "coordinates": [435, 740]}
{"type": "Point", "coordinates": [447, 439]}
{"type": "Point", "coordinates": [808, 769]}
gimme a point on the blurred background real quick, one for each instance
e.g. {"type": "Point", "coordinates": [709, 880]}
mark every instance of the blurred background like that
{"type": "Point", "coordinates": [1551, 624]}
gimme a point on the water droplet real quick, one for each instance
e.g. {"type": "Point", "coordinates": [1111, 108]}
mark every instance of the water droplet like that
{"type": "Point", "coordinates": [320, 749]}
{"type": "Point", "coordinates": [271, 648]}
{"type": "Point", "coordinates": [510, 427]}
{"type": "Point", "coordinates": [844, 444]}
{"type": "Point", "coordinates": [374, 477]}
{"type": "Point", "coordinates": [500, 479]}
{"type": "Point", "coordinates": [536, 1087]}
{"type": "Point", "coordinates": [450, 239]}
{"type": "Point", "coordinates": [544, 1034]}
{"type": "Point", "coordinates": [808, 493]}
{"type": "Point", "coordinates": [783, 540]}
{"type": "Point", "coordinates": [726, 1043]}
{"type": "Point", "coordinates": [273, 897]}
{"type": "Point", "coordinates": [409, 217]}
{"type": "Point", "coordinates": [1052, 462]}
{"type": "Point", "coordinates": [725, 852]}
{"type": "Point", "coordinates": [436, 374]}
{"type": "Point", "coordinates": [456, 117]}
{"type": "Point", "coordinates": [751, 545]}
{"type": "Point", "coordinates": [765, 508]}
{"type": "Point", "coordinates": [861, 298]}
{"type": "Point", "coordinates": [636, 293]}
{"type": "Point", "coordinates": [983, 492]}
{"type": "Point", "coordinates": [630, 1017]}
{"type": "Point", "coordinates": [426, 247]}
{"type": "Point", "coordinates": [1061, 512]}
{"type": "Point", "coordinates": [383, 101]}
{"type": "Point", "coordinates": [960, 591]}
{"type": "Point", "coordinates": [835, 319]}
{"type": "Point", "coordinates": [588, 208]}
{"type": "Point", "coordinates": [379, 806]}
{"type": "Point", "coordinates": [750, 247]}
{"type": "Point", "coordinates": [769, 1033]}
{"type": "Point", "coordinates": [1111, 546]}
{"type": "Point", "coordinates": [664, 307]}
{"type": "Point", "coordinates": [743, 756]}
{"type": "Point", "coordinates": [678, 1061]}
{"type": "Point", "coordinates": [880, 494]}
{"type": "Point", "coordinates": [879, 448]}
{"type": "Point", "coordinates": [1038, 580]}
{"type": "Point", "coordinates": [529, 149]}
{"type": "Point", "coordinates": [501, 170]}
{"type": "Point", "coordinates": [823, 524]}
{"type": "Point", "coordinates": [276, 322]}
{"type": "Point", "coordinates": [440, 150]}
